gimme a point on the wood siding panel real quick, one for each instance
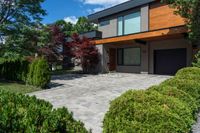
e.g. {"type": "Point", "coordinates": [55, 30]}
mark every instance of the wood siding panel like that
{"type": "Point", "coordinates": [145, 35]}
{"type": "Point", "coordinates": [162, 16]}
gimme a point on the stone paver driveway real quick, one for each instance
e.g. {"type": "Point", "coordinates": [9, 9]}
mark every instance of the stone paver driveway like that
{"type": "Point", "coordinates": [88, 96]}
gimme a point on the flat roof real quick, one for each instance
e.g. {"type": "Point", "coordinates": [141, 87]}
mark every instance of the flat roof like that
{"type": "Point", "coordinates": [118, 8]}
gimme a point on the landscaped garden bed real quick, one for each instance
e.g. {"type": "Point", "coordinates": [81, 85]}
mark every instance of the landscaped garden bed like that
{"type": "Point", "coordinates": [170, 107]}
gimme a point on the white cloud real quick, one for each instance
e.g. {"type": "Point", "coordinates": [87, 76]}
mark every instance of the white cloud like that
{"type": "Point", "coordinates": [72, 19]}
{"type": "Point", "coordinates": [103, 2]}
{"type": "Point", "coordinates": [90, 11]}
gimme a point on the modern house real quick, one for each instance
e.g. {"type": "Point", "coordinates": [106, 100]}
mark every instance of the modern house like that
{"type": "Point", "coordinates": [142, 36]}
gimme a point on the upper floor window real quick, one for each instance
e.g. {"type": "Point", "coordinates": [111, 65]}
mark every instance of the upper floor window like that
{"type": "Point", "coordinates": [104, 23]}
{"type": "Point", "coordinates": [120, 26]}
{"type": "Point", "coordinates": [129, 24]}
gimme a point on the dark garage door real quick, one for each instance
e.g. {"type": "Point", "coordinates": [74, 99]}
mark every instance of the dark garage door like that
{"type": "Point", "coordinates": [168, 62]}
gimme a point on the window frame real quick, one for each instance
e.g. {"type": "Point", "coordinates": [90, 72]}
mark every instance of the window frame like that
{"type": "Point", "coordinates": [122, 58]}
{"type": "Point", "coordinates": [123, 24]}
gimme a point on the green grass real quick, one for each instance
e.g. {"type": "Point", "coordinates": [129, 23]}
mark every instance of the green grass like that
{"type": "Point", "coordinates": [15, 87]}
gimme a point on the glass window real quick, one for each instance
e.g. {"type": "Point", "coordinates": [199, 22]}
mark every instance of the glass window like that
{"type": "Point", "coordinates": [132, 56]}
{"type": "Point", "coordinates": [129, 56]}
{"type": "Point", "coordinates": [129, 24]}
{"type": "Point", "coordinates": [132, 23]}
{"type": "Point", "coordinates": [104, 23]}
{"type": "Point", "coordinates": [120, 26]}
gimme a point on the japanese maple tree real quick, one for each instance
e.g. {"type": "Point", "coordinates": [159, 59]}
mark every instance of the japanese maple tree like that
{"type": "Point", "coordinates": [53, 49]}
{"type": "Point", "coordinates": [85, 52]}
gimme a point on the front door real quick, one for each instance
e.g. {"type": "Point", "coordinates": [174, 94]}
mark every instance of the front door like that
{"type": "Point", "coordinates": [112, 59]}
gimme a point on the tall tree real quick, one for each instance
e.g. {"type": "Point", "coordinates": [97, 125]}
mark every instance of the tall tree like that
{"type": "Point", "coordinates": [83, 25]}
{"type": "Point", "coordinates": [20, 24]}
{"type": "Point", "coordinates": [190, 10]}
{"type": "Point", "coordinates": [15, 12]}
{"type": "Point", "coordinates": [24, 41]}
{"type": "Point", "coordinates": [53, 49]}
{"type": "Point", "coordinates": [66, 27]}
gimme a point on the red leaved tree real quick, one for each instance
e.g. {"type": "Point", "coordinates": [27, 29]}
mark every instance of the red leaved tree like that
{"type": "Point", "coordinates": [85, 53]}
{"type": "Point", "coordinates": [53, 49]}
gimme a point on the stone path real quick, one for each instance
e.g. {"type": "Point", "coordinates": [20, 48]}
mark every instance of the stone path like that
{"type": "Point", "coordinates": [88, 96]}
{"type": "Point", "coordinates": [196, 127]}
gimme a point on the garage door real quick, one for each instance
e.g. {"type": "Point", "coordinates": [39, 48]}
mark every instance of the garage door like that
{"type": "Point", "coordinates": [168, 62]}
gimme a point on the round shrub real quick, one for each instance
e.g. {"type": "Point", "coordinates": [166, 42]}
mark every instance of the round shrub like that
{"type": "Point", "coordinates": [191, 87]}
{"type": "Point", "coordinates": [24, 114]}
{"type": "Point", "coordinates": [192, 73]}
{"type": "Point", "coordinates": [179, 94]}
{"type": "Point", "coordinates": [147, 112]}
{"type": "Point", "coordinates": [39, 73]}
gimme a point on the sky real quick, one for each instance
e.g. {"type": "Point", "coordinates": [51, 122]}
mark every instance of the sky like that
{"type": "Point", "coordinates": [70, 10]}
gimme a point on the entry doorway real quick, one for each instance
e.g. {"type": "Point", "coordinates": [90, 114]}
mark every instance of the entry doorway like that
{"type": "Point", "coordinates": [112, 59]}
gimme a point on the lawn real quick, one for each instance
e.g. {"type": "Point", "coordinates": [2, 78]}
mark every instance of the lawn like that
{"type": "Point", "coordinates": [17, 87]}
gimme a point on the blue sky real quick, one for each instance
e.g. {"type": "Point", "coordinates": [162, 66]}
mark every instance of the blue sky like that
{"type": "Point", "coordinates": [70, 10]}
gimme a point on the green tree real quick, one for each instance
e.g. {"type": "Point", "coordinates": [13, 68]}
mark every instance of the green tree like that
{"type": "Point", "coordinates": [15, 12]}
{"type": "Point", "coordinates": [20, 23]}
{"type": "Point", "coordinates": [66, 27]}
{"type": "Point", "coordinates": [25, 41]}
{"type": "Point", "coordinates": [190, 10]}
{"type": "Point", "coordinates": [83, 25]}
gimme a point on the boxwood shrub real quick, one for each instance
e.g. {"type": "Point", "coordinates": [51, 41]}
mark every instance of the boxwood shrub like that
{"type": "Point", "coordinates": [170, 107]}
{"type": "Point", "coordinates": [192, 87]}
{"type": "Point", "coordinates": [24, 114]}
{"type": "Point", "coordinates": [179, 94]}
{"type": "Point", "coordinates": [147, 112]}
{"type": "Point", "coordinates": [192, 73]}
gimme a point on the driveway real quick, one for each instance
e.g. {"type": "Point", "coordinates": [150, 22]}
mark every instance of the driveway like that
{"type": "Point", "coordinates": [88, 96]}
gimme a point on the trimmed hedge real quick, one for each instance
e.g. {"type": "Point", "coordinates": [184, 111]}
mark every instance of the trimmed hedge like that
{"type": "Point", "coordinates": [172, 91]}
{"type": "Point", "coordinates": [170, 107]}
{"type": "Point", "coordinates": [39, 73]}
{"type": "Point", "coordinates": [36, 73]}
{"type": "Point", "coordinates": [192, 87]}
{"type": "Point", "coordinates": [14, 69]}
{"type": "Point", "coordinates": [191, 73]}
{"type": "Point", "coordinates": [24, 114]}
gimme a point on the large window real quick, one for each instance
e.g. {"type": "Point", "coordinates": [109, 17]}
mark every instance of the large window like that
{"type": "Point", "coordinates": [129, 57]}
{"type": "Point", "coordinates": [129, 24]}
{"type": "Point", "coordinates": [120, 26]}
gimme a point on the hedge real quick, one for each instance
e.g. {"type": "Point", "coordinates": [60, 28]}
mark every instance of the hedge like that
{"type": "Point", "coordinates": [172, 91]}
{"type": "Point", "coordinates": [191, 73]}
{"type": "Point", "coordinates": [36, 73]}
{"type": "Point", "coordinates": [15, 69]}
{"type": "Point", "coordinates": [192, 87]}
{"type": "Point", "coordinates": [24, 114]}
{"type": "Point", "coordinates": [170, 107]}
